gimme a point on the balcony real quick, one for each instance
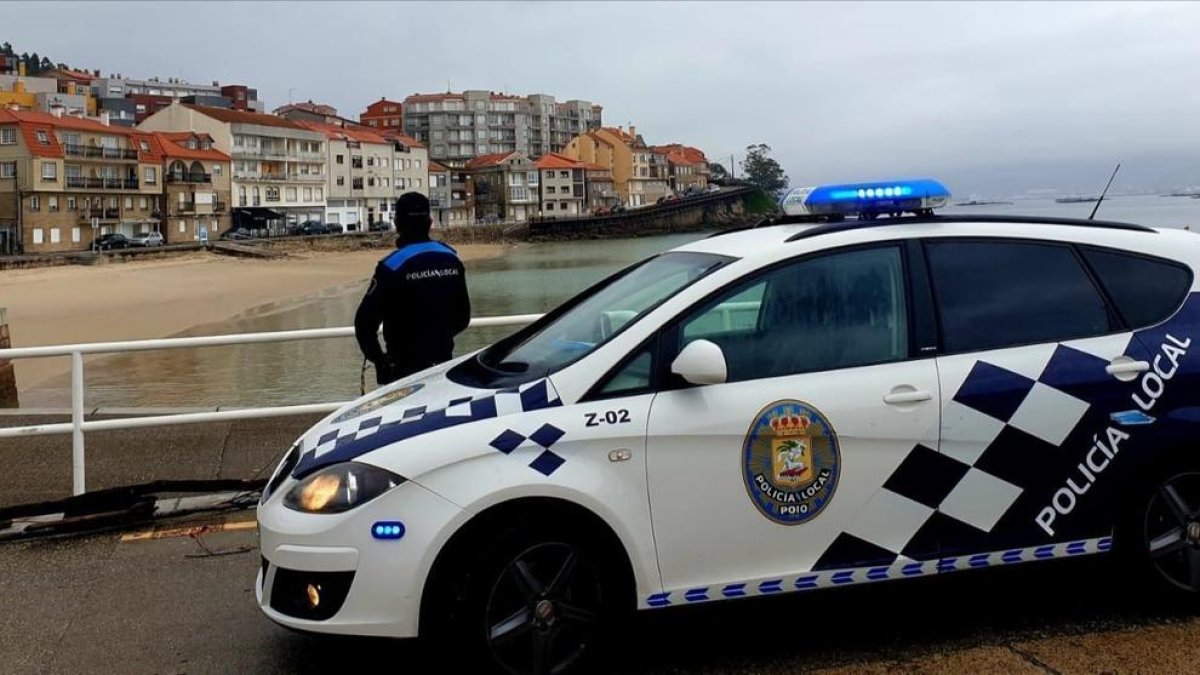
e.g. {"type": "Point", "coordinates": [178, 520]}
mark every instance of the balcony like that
{"type": "Point", "coordinates": [189, 178]}
{"type": "Point", "coordinates": [306, 177]}
{"type": "Point", "coordinates": [186, 207]}
{"type": "Point", "coordinates": [259, 177]}
{"type": "Point", "coordinates": [86, 215]}
{"type": "Point", "coordinates": [81, 183]}
{"type": "Point", "coordinates": [309, 156]}
{"type": "Point", "coordinates": [96, 152]}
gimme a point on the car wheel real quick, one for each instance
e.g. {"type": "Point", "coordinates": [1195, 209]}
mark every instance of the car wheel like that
{"type": "Point", "coordinates": [1160, 537]}
{"type": "Point", "coordinates": [534, 601]}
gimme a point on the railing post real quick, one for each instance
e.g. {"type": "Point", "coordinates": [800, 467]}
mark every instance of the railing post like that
{"type": "Point", "coordinates": [77, 474]}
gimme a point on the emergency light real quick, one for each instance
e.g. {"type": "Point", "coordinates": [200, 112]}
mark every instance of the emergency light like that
{"type": "Point", "coordinates": [919, 196]}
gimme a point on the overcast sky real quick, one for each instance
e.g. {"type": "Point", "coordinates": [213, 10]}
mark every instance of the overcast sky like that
{"type": "Point", "coordinates": [990, 97]}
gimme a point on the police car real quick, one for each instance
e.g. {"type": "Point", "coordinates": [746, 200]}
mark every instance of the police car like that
{"type": "Point", "coordinates": [862, 391]}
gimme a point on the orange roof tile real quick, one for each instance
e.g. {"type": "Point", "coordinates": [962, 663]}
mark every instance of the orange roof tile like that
{"type": "Point", "coordinates": [336, 133]}
{"type": "Point", "coordinates": [485, 161]}
{"type": "Point", "coordinates": [557, 161]}
{"type": "Point", "coordinates": [434, 167]}
{"type": "Point", "coordinates": [173, 146]}
{"type": "Point", "coordinates": [396, 135]}
{"type": "Point", "coordinates": [30, 122]}
{"type": "Point", "coordinates": [243, 117]}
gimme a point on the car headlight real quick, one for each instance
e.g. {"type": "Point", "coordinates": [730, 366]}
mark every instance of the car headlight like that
{"type": "Point", "coordinates": [340, 487]}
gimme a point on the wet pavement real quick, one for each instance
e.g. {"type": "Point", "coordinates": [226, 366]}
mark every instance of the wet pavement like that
{"type": "Point", "coordinates": [184, 603]}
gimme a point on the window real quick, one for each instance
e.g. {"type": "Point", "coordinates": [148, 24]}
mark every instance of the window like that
{"type": "Point", "coordinates": [836, 311]}
{"type": "Point", "coordinates": [49, 171]}
{"type": "Point", "coordinates": [55, 236]}
{"type": "Point", "coordinates": [371, 182]}
{"type": "Point", "coordinates": [72, 205]}
{"type": "Point", "coordinates": [551, 189]}
{"type": "Point", "coordinates": [43, 137]}
{"type": "Point", "coordinates": [52, 204]}
{"type": "Point", "coordinates": [8, 136]}
{"type": "Point", "coordinates": [75, 235]}
{"type": "Point", "coordinates": [182, 227]}
{"type": "Point", "coordinates": [129, 202]}
{"type": "Point", "coordinates": [993, 294]}
{"type": "Point", "coordinates": [145, 146]}
{"type": "Point", "coordinates": [1145, 290]}
{"type": "Point", "coordinates": [420, 182]}
{"type": "Point", "coordinates": [549, 206]}
{"type": "Point", "coordinates": [320, 194]}
{"type": "Point", "coordinates": [562, 206]}
{"type": "Point", "coordinates": [35, 203]}
{"type": "Point", "coordinates": [341, 159]}
{"type": "Point", "coordinates": [371, 161]}
{"type": "Point", "coordinates": [216, 169]}
{"type": "Point", "coordinates": [142, 202]}
{"type": "Point", "coordinates": [341, 180]}
{"type": "Point", "coordinates": [8, 169]}
{"type": "Point", "coordinates": [564, 174]}
{"type": "Point", "coordinates": [547, 346]}
{"type": "Point", "coordinates": [291, 194]}
{"type": "Point", "coordinates": [308, 194]}
{"type": "Point", "coordinates": [151, 175]}
{"type": "Point", "coordinates": [37, 235]}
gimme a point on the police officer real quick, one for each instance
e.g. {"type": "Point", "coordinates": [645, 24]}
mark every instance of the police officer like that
{"type": "Point", "coordinates": [418, 293]}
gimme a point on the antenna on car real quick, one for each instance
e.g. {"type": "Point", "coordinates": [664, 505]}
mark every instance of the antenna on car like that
{"type": "Point", "coordinates": [1110, 180]}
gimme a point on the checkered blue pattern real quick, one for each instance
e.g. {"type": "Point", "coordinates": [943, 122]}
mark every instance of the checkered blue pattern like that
{"type": "Point", "coordinates": [394, 423]}
{"type": "Point", "coordinates": [958, 495]}
{"type": "Point", "coordinates": [546, 462]}
{"type": "Point", "coordinates": [897, 570]}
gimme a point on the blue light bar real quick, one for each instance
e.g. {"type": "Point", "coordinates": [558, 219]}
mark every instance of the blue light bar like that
{"type": "Point", "coordinates": [898, 196]}
{"type": "Point", "coordinates": [392, 529]}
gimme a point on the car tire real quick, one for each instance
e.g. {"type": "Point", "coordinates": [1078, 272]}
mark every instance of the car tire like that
{"type": "Point", "coordinates": [530, 599]}
{"type": "Point", "coordinates": [1157, 538]}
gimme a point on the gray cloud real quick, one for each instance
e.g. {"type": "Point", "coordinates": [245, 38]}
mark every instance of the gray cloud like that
{"type": "Point", "coordinates": [970, 92]}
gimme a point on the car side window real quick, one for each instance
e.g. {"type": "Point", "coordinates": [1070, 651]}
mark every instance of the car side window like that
{"type": "Point", "coordinates": [1145, 290]}
{"type": "Point", "coordinates": [995, 294]}
{"type": "Point", "coordinates": [633, 377]}
{"type": "Point", "coordinates": [836, 311]}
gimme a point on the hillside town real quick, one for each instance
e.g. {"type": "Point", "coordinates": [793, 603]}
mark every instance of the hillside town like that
{"type": "Point", "coordinates": [91, 161]}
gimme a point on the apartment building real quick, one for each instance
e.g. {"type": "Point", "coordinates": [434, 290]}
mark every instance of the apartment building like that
{"type": "Point", "coordinates": [505, 187]}
{"type": "Point", "coordinates": [640, 176]}
{"type": "Point", "coordinates": [600, 191]}
{"type": "Point", "coordinates": [439, 194]}
{"type": "Point", "coordinates": [43, 94]}
{"type": "Point", "coordinates": [360, 184]}
{"type": "Point", "coordinates": [196, 186]}
{"type": "Point", "coordinates": [319, 111]}
{"type": "Point", "coordinates": [65, 180]}
{"type": "Point", "coordinates": [562, 186]}
{"type": "Point", "coordinates": [279, 166]}
{"type": "Point", "coordinates": [687, 166]}
{"type": "Point", "coordinates": [458, 127]}
{"type": "Point", "coordinates": [462, 198]}
{"type": "Point", "coordinates": [384, 114]}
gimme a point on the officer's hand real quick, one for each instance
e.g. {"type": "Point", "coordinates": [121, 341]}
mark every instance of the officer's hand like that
{"type": "Point", "coordinates": [384, 373]}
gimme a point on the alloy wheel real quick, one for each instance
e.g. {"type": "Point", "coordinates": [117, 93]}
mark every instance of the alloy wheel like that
{"type": "Point", "coordinates": [1173, 531]}
{"type": "Point", "coordinates": [544, 610]}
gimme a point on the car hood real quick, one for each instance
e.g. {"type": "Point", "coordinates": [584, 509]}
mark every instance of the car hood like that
{"type": "Point", "coordinates": [408, 409]}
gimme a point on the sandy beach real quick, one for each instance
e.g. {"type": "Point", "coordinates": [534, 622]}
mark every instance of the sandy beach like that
{"type": "Point", "coordinates": [148, 299]}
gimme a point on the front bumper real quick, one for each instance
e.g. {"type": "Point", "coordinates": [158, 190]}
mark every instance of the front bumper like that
{"type": "Point", "coordinates": [362, 585]}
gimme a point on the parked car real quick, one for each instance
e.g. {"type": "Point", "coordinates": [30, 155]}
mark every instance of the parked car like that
{"type": "Point", "coordinates": [379, 226]}
{"type": "Point", "coordinates": [309, 227]}
{"type": "Point", "coordinates": [146, 239]}
{"type": "Point", "coordinates": [114, 240]}
{"type": "Point", "coordinates": [820, 402]}
{"type": "Point", "coordinates": [238, 234]}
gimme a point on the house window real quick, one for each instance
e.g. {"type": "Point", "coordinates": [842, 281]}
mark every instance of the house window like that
{"type": "Point", "coordinates": [55, 236]}
{"type": "Point", "coordinates": [53, 204]}
{"type": "Point", "coordinates": [551, 189]}
{"type": "Point", "coordinates": [151, 175]}
{"type": "Point", "coordinates": [420, 182]}
{"type": "Point", "coordinates": [49, 171]}
{"type": "Point", "coordinates": [43, 137]}
{"type": "Point", "coordinates": [216, 169]}
{"type": "Point", "coordinates": [142, 203]}
{"type": "Point", "coordinates": [320, 194]}
{"type": "Point", "coordinates": [37, 235]}
{"type": "Point", "coordinates": [8, 136]}
{"type": "Point", "coordinates": [308, 194]}
{"type": "Point", "coordinates": [129, 202]}
{"type": "Point", "coordinates": [564, 174]}
{"type": "Point", "coordinates": [8, 169]}
{"type": "Point", "coordinates": [370, 161]}
{"type": "Point", "coordinates": [182, 226]}
{"type": "Point", "coordinates": [291, 194]}
{"type": "Point", "coordinates": [75, 235]}
{"type": "Point", "coordinates": [562, 206]}
{"type": "Point", "coordinates": [145, 146]}
{"type": "Point", "coordinates": [370, 182]}
{"type": "Point", "coordinates": [341, 180]}
{"type": "Point", "coordinates": [35, 203]}
{"type": "Point", "coordinates": [549, 206]}
{"type": "Point", "coordinates": [71, 204]}
{"type": "Point", "coordinates": [341, 159]}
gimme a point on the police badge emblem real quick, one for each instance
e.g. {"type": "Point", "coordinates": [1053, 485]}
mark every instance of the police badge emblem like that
{"type": "Point", "coordinates": [791, 462]}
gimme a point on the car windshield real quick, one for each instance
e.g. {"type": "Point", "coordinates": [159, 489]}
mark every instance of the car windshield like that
{"type": "Point", "coordinates": [595, 317]}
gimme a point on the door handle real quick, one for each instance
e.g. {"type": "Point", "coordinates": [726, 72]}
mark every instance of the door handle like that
{"type": "Point", "coordinates": [907, 396]}
{"type": "Point", "coordinates": [1125, 369]}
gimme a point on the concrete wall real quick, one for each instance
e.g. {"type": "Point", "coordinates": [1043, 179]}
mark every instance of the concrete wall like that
{"type": "Point", "coordinates": [8, 380]}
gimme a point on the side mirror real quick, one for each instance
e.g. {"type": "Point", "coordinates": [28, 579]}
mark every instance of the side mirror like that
{"type": "Point", "coordinates": [701, 362]}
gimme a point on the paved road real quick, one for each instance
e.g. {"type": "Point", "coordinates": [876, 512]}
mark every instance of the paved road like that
{"type": "Point", "coordinates": [179, 604]}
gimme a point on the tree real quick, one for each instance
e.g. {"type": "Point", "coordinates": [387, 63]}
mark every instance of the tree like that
{"type": "Point", "coordinates": [717, 171]}
{"type": "Point", "coordinates": [33, 65]}
{"type": "Point", "coordinates": [763, 171]}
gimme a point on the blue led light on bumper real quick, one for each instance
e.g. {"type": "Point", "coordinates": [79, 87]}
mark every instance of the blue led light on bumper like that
{"type": "Point", "coordinates": [918, 196]}
{"type": "Point", "coordinates": [391, 529]}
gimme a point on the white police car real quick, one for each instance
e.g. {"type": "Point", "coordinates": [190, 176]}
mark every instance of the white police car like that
{"type": "Point", "coordinates": [790, 407]}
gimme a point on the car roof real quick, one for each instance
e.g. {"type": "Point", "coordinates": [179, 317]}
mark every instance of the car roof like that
{"type": "Point", "coordinates": [770, 241]}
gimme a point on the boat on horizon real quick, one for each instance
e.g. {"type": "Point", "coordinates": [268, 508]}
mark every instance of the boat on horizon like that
{"type": "Point", "coordinates": [1076, 200]}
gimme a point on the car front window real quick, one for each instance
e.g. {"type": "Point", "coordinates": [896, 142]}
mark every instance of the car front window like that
{"type": "Point", "coordinates": [589, 321]}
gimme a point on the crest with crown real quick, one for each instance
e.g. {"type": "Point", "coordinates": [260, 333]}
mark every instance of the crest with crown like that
{"type": "Point", "coordinates": [790, 424]}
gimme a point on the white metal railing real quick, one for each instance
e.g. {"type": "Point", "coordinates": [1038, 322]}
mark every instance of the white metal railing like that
{"type": "Point", "coordinates": [77, 426]}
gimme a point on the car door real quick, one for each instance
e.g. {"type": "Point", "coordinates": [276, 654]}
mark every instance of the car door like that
{"type": "Point", "coordinates": [1036, 373]}
{"type": "Point", "coordinates": [783, 468]}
